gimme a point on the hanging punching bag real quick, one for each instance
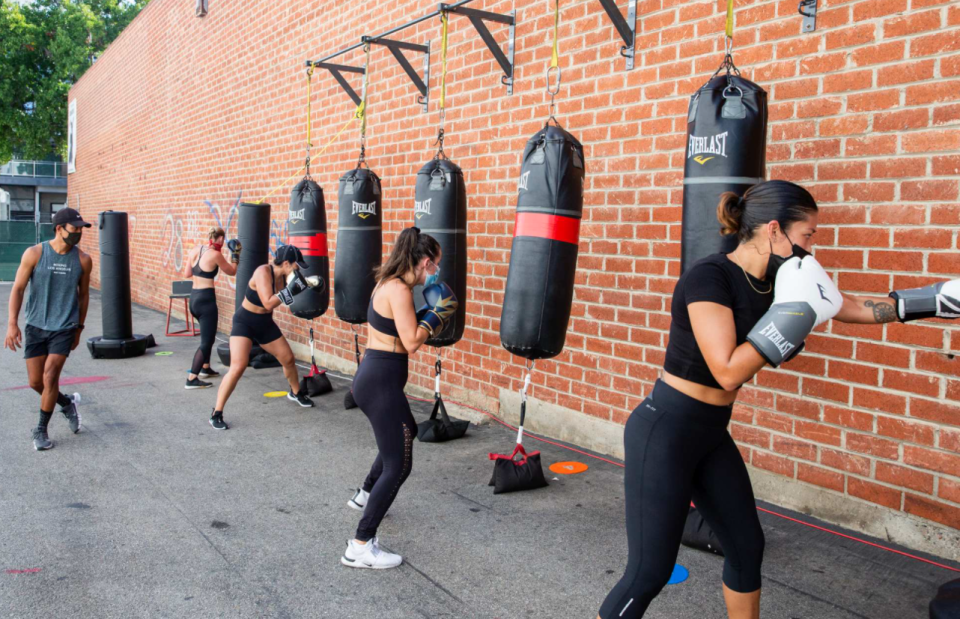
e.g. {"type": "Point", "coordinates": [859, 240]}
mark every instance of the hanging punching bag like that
{"type": "Point", "coordinates": [543, 257]}
{"type": "Point", "coordinates": [440, 210]}
{"type": "Point", "coordinates": [253, 232]}
{"type": "Point", "coordinates": [359, 244]}
{"type": "Point", "coordinates": [726, 151]}
{"type": "Point", "coordinates": [308, 232]}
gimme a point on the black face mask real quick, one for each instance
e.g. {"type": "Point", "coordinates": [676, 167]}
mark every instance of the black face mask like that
{"type": "Point", "coordinates": [775, 262]}
{"type": "Point", "coordinates": [72, 238]}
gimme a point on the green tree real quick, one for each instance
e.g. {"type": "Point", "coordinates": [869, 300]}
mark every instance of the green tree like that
{"type": "Point", "coordinates": [45, 46]}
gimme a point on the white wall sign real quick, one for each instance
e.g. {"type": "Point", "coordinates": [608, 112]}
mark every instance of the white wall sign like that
{"type": "Point", "coordinates": [72, 138]}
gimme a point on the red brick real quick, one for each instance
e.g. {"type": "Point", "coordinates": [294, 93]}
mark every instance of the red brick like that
{"type": "Point", "coordinates": [854, 35]}
{"type": "Point", "coordinates": [921, 384]}
{"type": "Point", "coordinates": [931, 460]}
{"type": "Point", "coordinates": [927, 141]}
{"type": "Point", "coordinates": [897, 214]}
{"type": "Point", "coordinates": [875, 493]}
{"type": "Point", "coordinates": [880, 401]}
{"type": "Point", "coordinates": [939, 43]}
{"type": "Point", "coordinates": [819, 477]}
{"type": "Point", "coordinates": [911, 261]}
{"type": "Point", "coordinates": [923, 239]}
{"type": "Point", "coordinates": [848, 417]}
{"type": "Point", "coordinates": [873, 145]}
{"type": "Point", "coordinates": [901, 120]}
{"type": "Point", "coordinates": [817, 149]}
{"type": "Point", "coordinates": [864, 237]}
{"type": "Point", "coordinates": [949, 490]}
{"type": "Point", "coordinates": [937, 362]}
{"type": "Point", "coordinates": [911, 24]}
{"type": "Point", "coordinates": [905, 73]}
{"type": "Point", "coordinates": [935, 92]}
{"type": "Point", "coordinates": [838, 258]}
{"type": "Point", "coordinates": [794, 449]}
{"type": "Point", "coordinates": [819, 107]}
{"type": "Point", "coordinates": [772, 463]}
{"type": "Point", "coordinates": [850, 463]}
{"type": "Point", "coordinates": [947, 262]}
{"type": "Point", "coordinates": [932, 510]}
{"type": "Point", "coordinates": [854, 373]}
{"type": "Point", "coordinates": [915, 335]}
{"type": "Point", "coordinates": [750, 435]}
{"type": "Point", "coordinates": [867, 444]}
{"type": "Point", "coordinates": [851, 80]}
{"type": "Point", "coordinates": [818, 432]}
{"type": "Point", "coordinates": [906, 478]}
{"type": "Point", "coordinates": [940, 412]}
{"type": "Point", "coordinates": [948, 165]}
{"type": "Point", "coordinates": [774, 421]}
{"type": "Point", "coordinates": [873, 100]}
{"type": "Point", "coordinates": [799, 407]}
{"type": "Point", "coordinates": [883, 355]}
{"type": "Point", "coordinates": [905, 430]}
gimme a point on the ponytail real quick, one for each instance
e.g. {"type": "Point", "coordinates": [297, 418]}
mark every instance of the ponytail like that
{"type": "Point", "coordinates": [411, 247]}
{"type": "Point", "coordinates": [780, 201]}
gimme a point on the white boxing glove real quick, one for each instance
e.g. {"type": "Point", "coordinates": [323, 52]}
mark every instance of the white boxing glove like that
{"type": "Point", "coordinates": [804, 297]}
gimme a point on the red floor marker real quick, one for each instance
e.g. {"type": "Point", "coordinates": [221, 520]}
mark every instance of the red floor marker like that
{"type": "Point", "coordinates": [75, 380]}
{"type": "Point", "coordinates": [30, 570]}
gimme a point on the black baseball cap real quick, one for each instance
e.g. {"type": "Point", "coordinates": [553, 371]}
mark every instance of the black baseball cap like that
{"type": "Point", "coordinates": [69, 216]}
{"type": "Point", "coordinates": [291, 253]}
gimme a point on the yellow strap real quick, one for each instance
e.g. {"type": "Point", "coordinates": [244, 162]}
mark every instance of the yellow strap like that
{"type": "Point", "coordinates": [555, 59]}
{"type": "Point", "coordinates": [729, 19]}
{"type": "Point", "coordinates": [309, 76]}
{"type": "Point", "coordinates": [363, 104]}
{"type": "Point", "coordinates": [357, 114]}
{"type": "Point", "coordinates": [443, 61]}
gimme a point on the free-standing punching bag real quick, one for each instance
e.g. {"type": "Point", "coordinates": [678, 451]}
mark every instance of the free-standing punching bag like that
{"type": "Point", "coordinates": [546, 236]}
{"type": "Point", "coordinates": [118, 340]}
{"type": "Point", "coordinates": [308, 232]}
{"type": "Point", "coordinates": [726, 151]}
{"type": "Point", "coordinates": [440, 210]}
{"type": "Point", "coordinates": [253, 232]}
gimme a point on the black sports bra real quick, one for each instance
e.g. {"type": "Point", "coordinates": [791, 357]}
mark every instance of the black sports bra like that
{"type": "Point", "coordinates": [381, 323]}
{"type": "Point", "coordinates": [198, 272]}
{"type": "Point", "coordinates": [254, 297]}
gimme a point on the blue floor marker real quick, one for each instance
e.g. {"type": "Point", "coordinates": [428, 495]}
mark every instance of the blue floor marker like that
{"type": "Point", "coordinates": [679, 575]}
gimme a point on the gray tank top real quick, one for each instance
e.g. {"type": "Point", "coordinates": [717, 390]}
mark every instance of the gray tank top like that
{"type": "Point", "coordinates": [54, 303]}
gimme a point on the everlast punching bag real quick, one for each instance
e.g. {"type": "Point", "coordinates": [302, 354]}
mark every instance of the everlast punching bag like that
{"type": "Point", "coordinates": [440, 209]}
{"type": "Point", "coordinates": [359, 244]}
{"type": "Point", "coordinates": [726, 151]}
{"type": "Point", "coordinates": [118, 340]}
{"type": "Point", "coordinates": [543, 257]}
{"type": "Point", "coordinates": [253, 232]}
{"type": "Point", "coordinates": [308, 232]}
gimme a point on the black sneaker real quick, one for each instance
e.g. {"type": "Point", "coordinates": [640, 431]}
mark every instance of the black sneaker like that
{"type": "Point", "coordinates": [40, 440]}
{"type": "Point", "coordinates": [300, 398]}
{"type": "Point", "coordinates": [218, 423]}
{"type": "Point", "coordinates": [208, 373]}
{"type": "Point", "coordinates": [196, 383]}
{"type": "Point", "coordinates": [72, 413]}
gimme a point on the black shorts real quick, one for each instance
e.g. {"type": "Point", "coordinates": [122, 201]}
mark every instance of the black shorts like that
{"type": "Point", "coordinates": [40, 343]}
{"type": "Point", "coordinates": [257, 327]}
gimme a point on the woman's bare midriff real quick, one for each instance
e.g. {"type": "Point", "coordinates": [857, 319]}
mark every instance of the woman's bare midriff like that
{"type": "Point", "coordinates": [708, 395]}
{"type": "Point", "coordinates": [381, 341]}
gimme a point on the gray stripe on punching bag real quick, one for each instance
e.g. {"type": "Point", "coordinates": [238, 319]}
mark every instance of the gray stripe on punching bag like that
{"type": "Point", "coordinates": [445, 230]}
{"type": "Point", "coordinates": [360, 229]}
{"type": "Point", "coordinates": [731, 180]}
{"type": "Point", "coordinates": [551, 211]}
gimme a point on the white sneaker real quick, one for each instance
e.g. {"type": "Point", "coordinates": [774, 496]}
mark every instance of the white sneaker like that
{"type": "Point", "coordinates": [359, 500]}
{"type": "Point", "coordinates": [369, 556]}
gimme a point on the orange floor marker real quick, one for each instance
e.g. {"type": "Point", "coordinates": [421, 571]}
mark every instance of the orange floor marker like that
{"type": "Point", "coordinates": [568, 468]}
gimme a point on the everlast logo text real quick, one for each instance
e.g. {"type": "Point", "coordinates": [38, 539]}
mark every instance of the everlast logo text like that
{"type": "Point", "coordinates": [421, 208]}
{"type": "Point", "coordinates": [296, 215]}
{"type": "Point", "coordinates": [711, 145]}
{"type": "Point", "coordinates": [364, 210]}
{"type": "Point", "coordinates": [522, 185]}
{"type": "Point", "coordinates": [776, 338]}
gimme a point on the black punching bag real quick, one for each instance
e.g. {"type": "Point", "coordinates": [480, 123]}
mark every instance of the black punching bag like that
{"type": "Point", "coordinates": [115, 276]}
{"type": "Point", "coordinates": [440, 209]}
{"type": "Point", "coordinates": [543, 257]}
{"type": "Point", "coordinates": [308, 232]}
{"type": "Point", "coordinates": [118, 340]}
{"type": "Point", "coordinates": [726, 151]}
{"type": "Point", "coordinates": [359, 244]}
{"type": "Point", "coordinates": [253, 232]}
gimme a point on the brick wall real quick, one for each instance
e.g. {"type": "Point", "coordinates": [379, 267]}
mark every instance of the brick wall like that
{"type": "Point", "coordinates": [182, 116]}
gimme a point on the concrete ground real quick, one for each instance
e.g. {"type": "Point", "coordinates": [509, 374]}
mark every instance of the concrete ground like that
{"type": "Point", "coordinates": [149, 512]}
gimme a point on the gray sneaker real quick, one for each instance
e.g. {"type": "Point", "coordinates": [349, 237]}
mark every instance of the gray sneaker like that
{"type": "Point", "coordinates": [40, 440]}
{"type": "Point", "coordinates": [196, 383]}
{"type": "Point", "coordinates": [72, 413]}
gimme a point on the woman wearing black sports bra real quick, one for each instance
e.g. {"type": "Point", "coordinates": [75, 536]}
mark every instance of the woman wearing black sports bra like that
{"type": "Point", "coordinates": [395, 330]}
{"type": "Point", "coordinates": [253, 322]}
{"type": "Point", "coordinates": [732, 314]}
{"type": "Point", "coordinates": [202, 264]}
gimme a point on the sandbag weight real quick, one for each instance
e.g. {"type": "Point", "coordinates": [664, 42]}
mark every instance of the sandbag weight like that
{"type": "Point", "coordinates": [308, 232]}
{"type": "Point", "coordinates": [726, 151]}
{"type": "Point", "coordinates": [543, 256]}
{"type": "Point", "coordinates": [440, 210]}
{"type": "Point", "coordinates": [359, 244]}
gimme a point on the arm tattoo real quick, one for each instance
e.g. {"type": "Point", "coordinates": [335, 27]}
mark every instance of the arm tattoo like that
{"type": "Point", "coordinates": [882, 312]}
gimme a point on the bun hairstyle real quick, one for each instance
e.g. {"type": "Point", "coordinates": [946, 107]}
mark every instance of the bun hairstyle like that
{"type": "Point", "coordinates": [215, 233]}
{"type": "Point", "coordinates": [411, 247]}
{"type": "Point", "coordinates": [780, 201]}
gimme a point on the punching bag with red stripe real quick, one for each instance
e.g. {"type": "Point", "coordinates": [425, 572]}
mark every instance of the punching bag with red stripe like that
{"type": "Point", "coordinates": [543, 257]}
{"type": "Point", "coordinates": [308, 232]}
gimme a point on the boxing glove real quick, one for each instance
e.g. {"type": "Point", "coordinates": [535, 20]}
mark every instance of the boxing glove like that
{"type": "Point", "coordinates": [296, 283]}
{"type": "Point", "coordinates": [940, 300]}
{"type": "Point", "coordinates": [804, 297]}
{"type": "Point", "coordinates": [441, 304]}
{"type": "Point", "coordinates": [235, 248]}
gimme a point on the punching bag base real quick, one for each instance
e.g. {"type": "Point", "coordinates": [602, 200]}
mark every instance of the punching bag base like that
{"type": "Point", "coordinates": [135, 346]}
{"type": "Point", "coordinates": [223, 351]}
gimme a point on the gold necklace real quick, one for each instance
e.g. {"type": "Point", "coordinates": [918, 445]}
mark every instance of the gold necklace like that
{"type": "Point", "coordinates": [749, 283]}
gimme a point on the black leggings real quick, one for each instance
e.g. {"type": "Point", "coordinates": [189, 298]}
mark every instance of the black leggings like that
{"type": "Point", "coordinates": [203, 306]}
{"type": "Point", "coordinates": [678, 449]}
{"type": "Point", "coordinates": [378, 391]}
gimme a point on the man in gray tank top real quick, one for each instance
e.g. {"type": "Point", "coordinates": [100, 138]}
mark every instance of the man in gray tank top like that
{"type": "Point", "coordinates": [59, 277]}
